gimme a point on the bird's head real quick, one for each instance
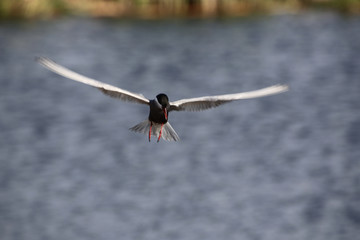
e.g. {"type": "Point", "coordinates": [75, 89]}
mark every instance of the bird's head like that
{"type": "Point", "coordinates": [163, 100]}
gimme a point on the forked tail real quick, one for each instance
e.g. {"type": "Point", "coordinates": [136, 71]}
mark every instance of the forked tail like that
{"type": "Point", "coordinates": [168, 133]}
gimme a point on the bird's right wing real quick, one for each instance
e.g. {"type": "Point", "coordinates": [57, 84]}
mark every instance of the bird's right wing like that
{"type": "Point", "coordinates": [203, 103]}
{"type": "Point", "coordinates": [110, 90]}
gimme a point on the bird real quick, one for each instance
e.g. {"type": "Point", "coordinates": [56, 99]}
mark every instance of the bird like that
{"type": "Point", "coordinates": [157, 123]}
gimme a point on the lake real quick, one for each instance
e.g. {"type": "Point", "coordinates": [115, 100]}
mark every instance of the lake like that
{"type": "Point", "coordinates": [279, 167]}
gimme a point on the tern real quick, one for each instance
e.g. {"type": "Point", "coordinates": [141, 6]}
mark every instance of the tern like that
{"type": "Point", "coordinates": [157, 123]}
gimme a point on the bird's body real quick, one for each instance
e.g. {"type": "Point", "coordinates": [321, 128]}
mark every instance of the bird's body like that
{"type": "Point", "coordinates": [158, 113]}
{"type": "Point", "coordinates": [157, 123]}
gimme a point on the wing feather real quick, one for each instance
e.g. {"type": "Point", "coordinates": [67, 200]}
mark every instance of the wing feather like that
{"type": "Point", "coordinates": [107, 89]}
{"type": "Point", "coordinates": [207, 102]}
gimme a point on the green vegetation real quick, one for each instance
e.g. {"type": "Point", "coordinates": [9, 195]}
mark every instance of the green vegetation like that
{"type": "Point", "coordinates": [152, 9]}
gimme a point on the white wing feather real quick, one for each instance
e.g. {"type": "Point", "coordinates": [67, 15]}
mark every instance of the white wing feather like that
{"type": "Point", "coordinates": [105, 88]}
{"type": "Point", "coordinates": [203, 103]}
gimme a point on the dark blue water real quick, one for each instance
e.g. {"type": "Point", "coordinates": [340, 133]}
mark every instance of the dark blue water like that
{"type": "Point", "coordinates": [281, 167]}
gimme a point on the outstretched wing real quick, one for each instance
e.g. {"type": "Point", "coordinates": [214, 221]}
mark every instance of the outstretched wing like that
{"type": "Point", "coordinates": [203, 103]}
{"type": "Point", "coordinates": [110, 90]}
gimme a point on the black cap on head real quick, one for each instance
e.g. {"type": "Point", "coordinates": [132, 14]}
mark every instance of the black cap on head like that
{"type": "Point", "coordinates": [163, 99]}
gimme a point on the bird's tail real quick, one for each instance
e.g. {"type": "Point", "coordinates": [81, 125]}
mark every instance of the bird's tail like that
{"type": "Point", "coordinates": [168, 133]}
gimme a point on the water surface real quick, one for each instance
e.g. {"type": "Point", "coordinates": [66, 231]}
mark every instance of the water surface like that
{"type": "Point", "coordinates": [281, 167]}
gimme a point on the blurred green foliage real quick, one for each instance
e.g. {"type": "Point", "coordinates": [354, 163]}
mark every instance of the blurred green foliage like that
{"type": "Point", "coordinates": [152, 9]}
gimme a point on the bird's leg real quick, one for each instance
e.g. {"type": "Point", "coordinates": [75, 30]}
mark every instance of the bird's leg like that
{"type": "Point", "coordinates": [150, 131]}
{"type": "Point", "coordinates": [160, 132]}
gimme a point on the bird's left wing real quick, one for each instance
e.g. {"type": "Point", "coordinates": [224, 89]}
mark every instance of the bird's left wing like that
{"type": "Point", "coordinates": [203, 103]}
{"type": "Point", "coordinates": [108, 89]}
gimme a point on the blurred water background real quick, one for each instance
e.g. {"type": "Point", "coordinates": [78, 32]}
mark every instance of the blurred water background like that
{"type": "Point", "coordinates": [280, 167]}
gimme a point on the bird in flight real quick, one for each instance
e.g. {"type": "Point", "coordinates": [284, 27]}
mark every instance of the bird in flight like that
{"type": "Point", "coordinates": [157, 123]}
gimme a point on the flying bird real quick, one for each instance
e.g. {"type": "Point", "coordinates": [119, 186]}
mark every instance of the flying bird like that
{"type": "Point", "coordinates": [157, 123]}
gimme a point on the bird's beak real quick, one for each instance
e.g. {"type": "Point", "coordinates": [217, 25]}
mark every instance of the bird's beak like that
{"type": "Point", "coordinates": [165, 113]}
